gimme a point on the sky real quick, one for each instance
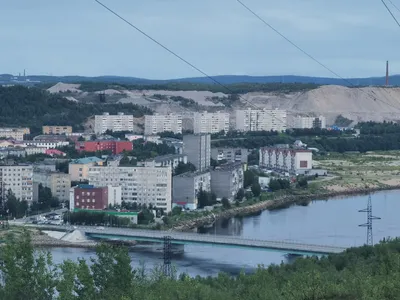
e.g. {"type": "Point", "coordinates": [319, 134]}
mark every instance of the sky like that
{"type": "Point", "coordinates": [220, 37]}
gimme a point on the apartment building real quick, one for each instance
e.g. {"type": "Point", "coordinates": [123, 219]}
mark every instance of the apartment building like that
{"type": "Point", "coordinates": [261, 120]}
{"type": "Point", "coordinates": [46, 144]}
{"type": "Point", "coordinates": [116, 147]}
{"type": "Point", "coordinates": [156, 123]}
{"type": "Point", "coordinates": [294, 161]}
{"type": "Point", "coordinates": [309, 122]}
{"type": "Point", "coordinates": [186, 187]}
{"type": "Point", "coordinates": [230, 154]}
{"type": "Point", "coordinates": [227, 179]}
{"type": "Point", "coordinates": [118, 122]}
{"type": "Point", "coordinates": [144, 185]}
{"type": "Point", "coordinates": [18, 179]}
{"type": "Point", "coordinates": [205, 122]}
{"type": "Point", "coordinates": [56, 129]}
{"type": "Point", "coordinates": [79, 168]}
{"type": "Point", "coordinates": [59, 183]}
{"type": "Point", "coordinates": [197, 147]}
{"type": "Point", "coordinates": [14, 133]}
{"type": "Point", "coordinates": [32, 150]}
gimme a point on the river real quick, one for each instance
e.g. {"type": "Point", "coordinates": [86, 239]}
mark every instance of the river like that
{"type": "Point", "coordinates": [330, 222]}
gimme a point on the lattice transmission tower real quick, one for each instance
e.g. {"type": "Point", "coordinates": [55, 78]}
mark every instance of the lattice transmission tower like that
{"type": "Point", "coordinates": [370, 218]}
{"type": "Point", "coordinates": [167, 256]}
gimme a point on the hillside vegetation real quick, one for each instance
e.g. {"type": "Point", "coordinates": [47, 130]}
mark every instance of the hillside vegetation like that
{"type": "Point", "coordinates": [365, 273]}
{"type": "Point", "coordinates": [33, 107]}
{"type": "Point", "coordinates": [237, 88]}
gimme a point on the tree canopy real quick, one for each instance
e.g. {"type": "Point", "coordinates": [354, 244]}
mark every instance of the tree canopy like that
{"type": "Point", "coordinates": [364, 273]}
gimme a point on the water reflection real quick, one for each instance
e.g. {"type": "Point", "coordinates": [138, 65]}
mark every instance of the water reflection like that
{"type": "Point", "coordinates": [333, 222]}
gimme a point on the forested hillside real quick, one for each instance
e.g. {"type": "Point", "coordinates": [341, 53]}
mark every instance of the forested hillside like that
{"type": "Point", "coordinates": [365, 273]}
{"type": "Point", "coordinates": [33, 107]}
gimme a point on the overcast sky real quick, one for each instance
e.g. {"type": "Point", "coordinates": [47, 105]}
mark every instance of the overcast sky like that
{"type": "Point", "coordinates": [79, 37]}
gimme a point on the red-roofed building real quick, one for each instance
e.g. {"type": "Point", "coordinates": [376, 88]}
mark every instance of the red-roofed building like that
{"type": "Point", "coordinates": [55, 152]}
{"type": "Point", "coordinates": [116, 147]}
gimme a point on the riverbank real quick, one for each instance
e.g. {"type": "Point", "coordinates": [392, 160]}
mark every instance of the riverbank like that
{"type": "Point", "coordinates": [280, 203]}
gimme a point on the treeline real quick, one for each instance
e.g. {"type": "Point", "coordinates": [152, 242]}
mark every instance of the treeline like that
{"type": "Point", "coordinates": [372, 128]}
{"type": "Point", "coordinates": [237, 88]}
{"type": "Point", "coordinates": [358, 274]}
{"type": "Point", "coordinates": [33, 107]}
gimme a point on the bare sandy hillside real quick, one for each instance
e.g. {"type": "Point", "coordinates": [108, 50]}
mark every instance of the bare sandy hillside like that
{"type": "Point", "coordinates": [369, 103]}
{"type": "Point", "coordinates": [357, 104]}
{"type": "Point", "coordinates": [65, 87]}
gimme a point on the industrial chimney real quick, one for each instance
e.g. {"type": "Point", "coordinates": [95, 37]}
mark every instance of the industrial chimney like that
{"type": "Point", "coordinates": [387, 73]}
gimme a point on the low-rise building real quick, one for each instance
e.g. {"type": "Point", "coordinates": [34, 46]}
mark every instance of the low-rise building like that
{"type": "Point", "coordinates": [55, 152]}
{"type": "Point", "coordinates": [227, 179]}
{"type": "Point", "coordinates": [59, 183]}
{"type": "Point", "coordinates": [87, 196]}
{"type": "Point", "coordinates": [293, 161]}
{"type": "Point", "coordinates": [116, 147]}
{"type": "Point", "coordinates": [16, 152]}
{"type": "Point", "coordinates": [57, 129]}
{"type": "Point", "coordinates": [18, 179]}
{"type": "Point", "coordinates": [32, 150]}
{"type": "Point", "coordinates": [14, 133]}
{"type": "Point", "coordinates": [79, 168]}
{"type": "Point", "coordinates": [230, 154]}
{"type": "Point", "coordinates": [187, 186]}
{"type": "Point", "coordinates": [131, 215]}
{"type": "Point", "coordinates": [46, 144]}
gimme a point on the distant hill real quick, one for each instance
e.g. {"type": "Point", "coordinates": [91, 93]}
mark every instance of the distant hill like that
{"type": "Point", "coordinates": [225, 79]}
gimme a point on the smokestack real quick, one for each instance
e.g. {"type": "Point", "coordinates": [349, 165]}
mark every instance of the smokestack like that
{"type": "Point", "coordinates": [387, 73]}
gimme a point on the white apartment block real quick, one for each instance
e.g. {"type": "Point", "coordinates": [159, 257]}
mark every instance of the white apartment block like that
{"type": "Point", "coordinates": [45, 144]}
{"type": "Point", "coordinates": [294, 161]}
{"type": "Point", "coordinates": [18, 179]}
{"type": "Point", "coordinates": [309, 122]}
{"type": "Point", "coordinates": [205, 122]}
{"type": "Point", "coordinates": [118, 122]}
{"type": "Point", "coordinates": [144, 185]}
{"type": "Point", "coordinates": [59, 183]}
{"type": "Point", "coordinates": [197, 148]}
{"type": "Point", "coordinates": [14, 133]}
{"type": "Point", "coordinates": [156, 123]}
{"type": "Point", "coordinates": [261, 120]}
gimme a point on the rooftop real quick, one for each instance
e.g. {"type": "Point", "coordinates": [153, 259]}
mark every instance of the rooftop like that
{"type": "Point", "coordinates": [162, 158]}
{"type": "Point", "coordinates": [192, 174]}
{"type": "Point", "coordinates": [87, 160]}
{"type": "Point", "coordinates": [228, 167]}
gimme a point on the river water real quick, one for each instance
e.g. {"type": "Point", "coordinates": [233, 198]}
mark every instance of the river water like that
{"type": "Point", "coordinates": [331, 222]}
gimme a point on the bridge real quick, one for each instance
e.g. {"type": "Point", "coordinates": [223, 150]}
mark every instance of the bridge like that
{"type": "Point", "coordinates": [184, 238]}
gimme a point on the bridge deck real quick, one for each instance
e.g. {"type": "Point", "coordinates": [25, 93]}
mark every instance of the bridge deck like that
{"type": "Point", "coordinates": [222, 240]}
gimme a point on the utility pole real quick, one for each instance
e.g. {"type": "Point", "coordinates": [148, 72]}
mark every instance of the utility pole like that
{"type": "Point", "coordinates": [167, 257]}
{"type": "Point", "coordinates": [370, 218]}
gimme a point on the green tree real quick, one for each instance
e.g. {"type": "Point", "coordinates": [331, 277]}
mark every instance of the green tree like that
{"type": "Point", "coordinates": [249, 178]}
{"type": "Point", "coordinates": [183, 168]}
{"type": "Point", "coordinates": [256, 189]}
{"type": "Point", "coordinates": [240, 194]}
{"type": "Point", "coordinates": [225, 203]}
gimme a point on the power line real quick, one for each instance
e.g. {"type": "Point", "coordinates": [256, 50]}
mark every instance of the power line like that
{"type": "Point", "coordinates": [309, 55]}
{"type": "Point", "coordinates": [390, 12]}
{"type": "Point", "coordinates": [395, 6]}
{"type": "Point", "coordinates": [180, 57]}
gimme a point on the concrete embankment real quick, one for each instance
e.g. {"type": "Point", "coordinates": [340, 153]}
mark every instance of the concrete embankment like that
{"type": "Point", "coordinates": [281, 203]}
